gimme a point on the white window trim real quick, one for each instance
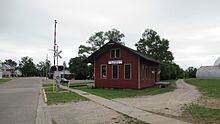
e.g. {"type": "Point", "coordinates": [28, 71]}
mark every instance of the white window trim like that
{"type": "Point", "coordinates": [101, 71]}
{"type": "Point", "coordinates": [115, 53]}
{"type": "Point", "coordinates": [130, 72]}
{"type": "Point", "coordinates": [119, 52]}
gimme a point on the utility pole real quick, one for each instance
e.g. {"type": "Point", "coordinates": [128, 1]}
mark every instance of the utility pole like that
{"type": "Point", "coordinates": [57, 58]}
{"type": "Point", "coordinates": [54, 62]}
{"type": "Point", "coordinates": [46, 66]}
{"type": "Point", "coordinates": [54, 56]}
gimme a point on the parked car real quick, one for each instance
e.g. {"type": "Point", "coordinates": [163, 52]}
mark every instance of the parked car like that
{"type": "Point", "coordinates": [64, 80]}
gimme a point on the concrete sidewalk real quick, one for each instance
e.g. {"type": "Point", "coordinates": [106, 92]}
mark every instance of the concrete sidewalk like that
{"type": "Point", "coordinates": [43, 115]}
{"type": "Point", "coordinates": [128, 110]}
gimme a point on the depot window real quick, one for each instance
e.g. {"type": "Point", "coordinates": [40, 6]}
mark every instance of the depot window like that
{"type": "Point", "coordinates": [115, 53]}
{"type": "Point", "coordinates": [127, 71]}
{"type": "Point", "coordinates": [103, 71]}
{"type": "Point", "coordinates": [114, 71]}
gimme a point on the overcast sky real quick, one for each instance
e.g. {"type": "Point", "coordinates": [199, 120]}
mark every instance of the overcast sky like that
{"type": "Point", "coordinates": [191, 26]}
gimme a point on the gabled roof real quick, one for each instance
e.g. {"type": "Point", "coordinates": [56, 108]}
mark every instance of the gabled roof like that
{"type": "Point", "coordinates": [5, 66]}
{"type": "Point", "coordinates": [109, 45]}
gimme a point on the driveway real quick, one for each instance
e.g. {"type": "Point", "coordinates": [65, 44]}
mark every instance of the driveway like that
{"type": "Point", "coordinates": [167, 103]}
{"type": "Point", "coordinates": [19, 100]}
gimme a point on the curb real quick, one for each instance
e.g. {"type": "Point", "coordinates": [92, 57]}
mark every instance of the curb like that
{"type": "Point", "coordinates": [45, 96]}
{"type": "Point", "coordinates": [43, 115]}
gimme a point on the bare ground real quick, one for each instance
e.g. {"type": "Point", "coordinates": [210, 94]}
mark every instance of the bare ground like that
{"type": "Point", "coordinates": [209, 102]}
{"type": "Point", "coordinates": [167, 103]}
{"type": "Point", "coordinates": [86, 112]}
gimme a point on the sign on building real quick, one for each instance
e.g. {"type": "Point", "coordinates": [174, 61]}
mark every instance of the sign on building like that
{"type": "Point", "coordinates": [112, 62]}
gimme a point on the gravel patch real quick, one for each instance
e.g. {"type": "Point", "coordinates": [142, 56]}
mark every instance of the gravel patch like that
{"type": "Point", "coordinates": [86, 112]}
{"type": "Point", "coordinates": [167, 103]}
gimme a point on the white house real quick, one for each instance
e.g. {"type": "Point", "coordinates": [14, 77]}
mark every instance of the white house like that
{"type": "Point", "coordinates": [0, 74]}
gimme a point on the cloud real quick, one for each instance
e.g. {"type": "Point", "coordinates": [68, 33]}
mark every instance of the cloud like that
{"type": "Point", "coordinates": [192, 27]}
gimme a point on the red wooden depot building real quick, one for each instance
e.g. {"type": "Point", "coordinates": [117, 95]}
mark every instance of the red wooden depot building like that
{"type": "Point", "coordinates": [117, 66]}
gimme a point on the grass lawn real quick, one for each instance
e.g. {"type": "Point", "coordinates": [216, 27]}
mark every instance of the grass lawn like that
{"type": "Point", "coordinates": [210, 87]}
{"type": "Point", "coordinates": [4, 80]}
{"type": "Point", "coordinates": [121, 93]}
{"type": "Point", "coordinates": [47, 85]}
{"type": "Point", "coordinates": [201, 114]}
{"type": "Point", "coordinates": [50, 89]}
{"type": "Point", "coordinates": [61, 97]}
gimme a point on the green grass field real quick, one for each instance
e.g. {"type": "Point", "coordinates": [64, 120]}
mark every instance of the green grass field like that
{"type": "Point", "coordinates": [203, 114]}
{"type": "Point", "coordinates": [47, 85]}
{"type": "Point", "coordinates": [50, 89]}
{"type": "Point", "coordinates": [61, 97]}
{"type": "Point", "coordinates": [121, 93]}
{"type": "Point", "coordinates": [4, 80]}
{"type": "Point", "coordinates": [210, 87]}
{"type": "Point", "coordinates": [200, 114]}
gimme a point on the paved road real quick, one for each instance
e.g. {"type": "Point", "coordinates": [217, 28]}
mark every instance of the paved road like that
{"type": "Point", "coordinates": [19, 101]}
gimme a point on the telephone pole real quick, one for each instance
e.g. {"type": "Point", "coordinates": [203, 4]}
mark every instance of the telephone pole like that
{"type": "Point", "coordinates": [46, 66]}
{"type": "Point", "coordinates": [54, 62]}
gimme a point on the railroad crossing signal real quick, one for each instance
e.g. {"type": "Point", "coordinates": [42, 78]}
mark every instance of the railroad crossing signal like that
{"type": "Point", "coordinates": [57, 54]}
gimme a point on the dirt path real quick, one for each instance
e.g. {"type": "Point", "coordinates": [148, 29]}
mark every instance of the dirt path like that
{"type": "Point", "coordinates": [167, 103]}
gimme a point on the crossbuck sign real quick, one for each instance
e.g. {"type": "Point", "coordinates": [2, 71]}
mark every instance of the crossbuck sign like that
{"type": "Point", "coordinates": [58, 54]}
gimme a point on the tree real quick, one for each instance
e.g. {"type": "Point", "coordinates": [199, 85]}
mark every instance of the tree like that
{"type": "Point", "coordinates": [79, 68]}
{"type": "Point", "coordinates": [98, 39]}
{"type": "Point", "coordinates": [114, 35]}
{"type": "Point", "coordinates": [43, 68]}
{"type": "Point", "coordinates": [153, 46]}
{"type": "Point", "coordinates": [40, 68]}
{"type": "Point", "coordinates": [94, 43]}
{"type": "Point", "coordinates": [10, 62]}
{"type": "Point", "coordinates": [191, 72]}
{"type": "Point", "coordinates": [171, 71]}
{"type": "Point", "coordinates": [27, 67]}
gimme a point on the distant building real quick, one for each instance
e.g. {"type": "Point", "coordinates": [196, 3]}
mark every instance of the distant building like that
{"type": "Point", "coordinates": [7, 70]}
{"type": "Point", "coordinates": [209, 72]}
{"type": "Point", "coordinates": [0, 74]}
{"type": "Point", "coordinates": [117, 66]}
{"type": "Point", "coordinates": [64, 73]}
{"type": "Point", "coordinates": [0, 70]}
